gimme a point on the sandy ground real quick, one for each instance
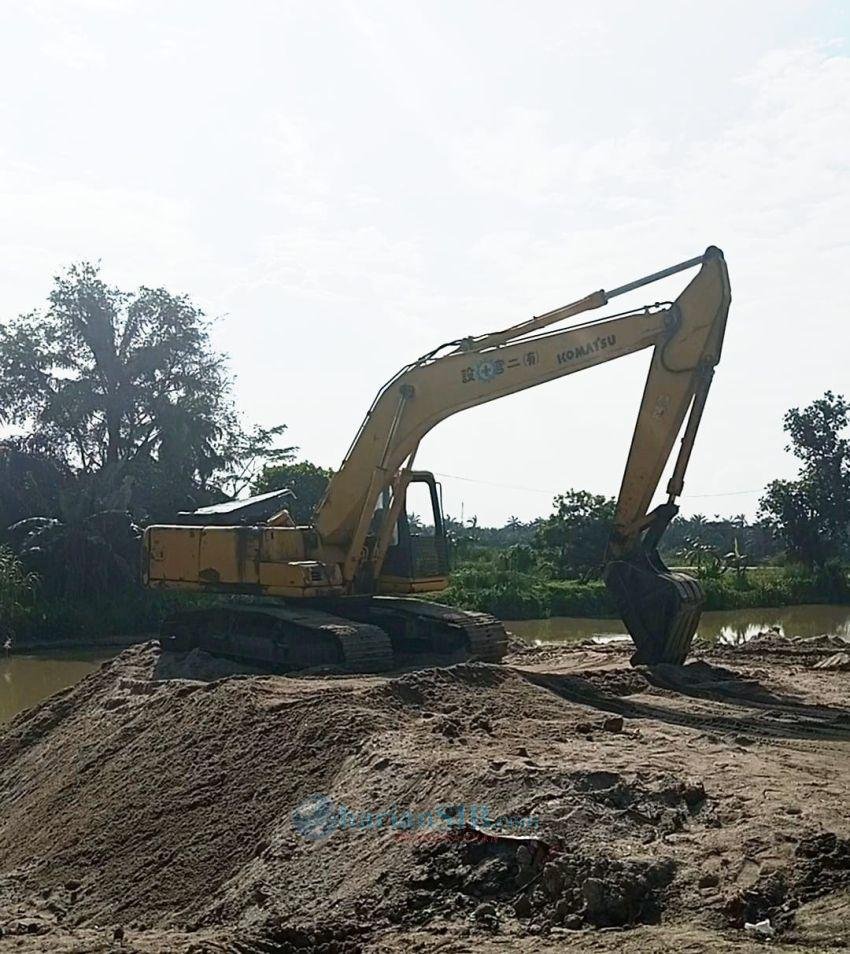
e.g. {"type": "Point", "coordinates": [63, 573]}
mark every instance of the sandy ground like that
{"type": "Point", "coordinates": [561, 799]}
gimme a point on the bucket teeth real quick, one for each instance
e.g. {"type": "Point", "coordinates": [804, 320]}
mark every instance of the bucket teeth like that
{"type": "Point", "coordinates": [661, 609]}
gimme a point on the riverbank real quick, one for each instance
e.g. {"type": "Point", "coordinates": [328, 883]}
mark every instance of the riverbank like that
{"type": "Point", "coordinates": [31, 674]}
{"type": "Point", "coordinates": [510, 594]}
{"type": "Point", "coordinates": [562, 799]}
{"type": "Point", "coordinates": [103, 622]}
{"type": "Point", "coordinates": [716, 627]}
{"type": "Point", "coordinates": [128, 617]}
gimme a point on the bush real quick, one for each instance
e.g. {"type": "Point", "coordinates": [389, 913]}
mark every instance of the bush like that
{"type": "Point", "coordinates": [504, 592]}
{"type": "Point", "coordinates": [574, 598]}
{"type": "Point", "coordinates": [509, 594]}
{"type": "Point", "coordinates": [794, 587]}
{"type": "Point", "coordinates": [135, 613]}
{"type": "Point", "coordinates": [17, 587]}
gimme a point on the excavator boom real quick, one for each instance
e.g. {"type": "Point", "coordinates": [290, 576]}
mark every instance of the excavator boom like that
{"type": "Point", "coordinates": [687, 336]}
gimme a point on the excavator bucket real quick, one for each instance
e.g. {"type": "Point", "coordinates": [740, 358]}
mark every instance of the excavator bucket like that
{"type": "Point", "coordinates": [661, 609]}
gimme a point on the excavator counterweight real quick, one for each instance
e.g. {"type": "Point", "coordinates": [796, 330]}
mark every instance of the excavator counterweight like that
{"type": "Point", "coordinates": [347, 589]}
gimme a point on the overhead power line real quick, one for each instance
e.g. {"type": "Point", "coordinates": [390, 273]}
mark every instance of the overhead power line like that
{"type": "Point", "coordinates": [727, 493]}
{"type": "Point", "coordinates": [490, 483]}
{"type": "Point", "coordinates": [552, 493]}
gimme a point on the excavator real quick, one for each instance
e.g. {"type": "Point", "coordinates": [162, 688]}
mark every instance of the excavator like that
{"type": "Point", "coordinates": [346, 591]}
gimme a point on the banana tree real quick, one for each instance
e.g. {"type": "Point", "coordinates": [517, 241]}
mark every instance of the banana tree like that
{"type": "Point", "coordinates": [86, 549]}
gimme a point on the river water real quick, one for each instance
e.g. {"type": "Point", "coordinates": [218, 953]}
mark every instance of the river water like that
{"type": "Point", "coordinates": [28, 679]}
{"type": "Point", "coordinates": [728, 626]}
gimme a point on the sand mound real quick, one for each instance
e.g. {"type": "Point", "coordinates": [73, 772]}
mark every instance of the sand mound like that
{"type": "Point", "coordinates": [214, 810]}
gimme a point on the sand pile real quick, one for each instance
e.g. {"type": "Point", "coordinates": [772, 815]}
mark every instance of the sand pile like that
{"type": "Point", "coordinates": [172, 804]}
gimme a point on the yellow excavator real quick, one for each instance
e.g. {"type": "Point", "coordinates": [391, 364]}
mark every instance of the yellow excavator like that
{"type": "Point", "coordinates": [338, 592]}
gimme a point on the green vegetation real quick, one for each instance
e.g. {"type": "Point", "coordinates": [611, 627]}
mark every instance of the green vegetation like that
{"type": "Point", "coordinates": [510, 594]}
{"type": "Point", "coordinates": [796, 552]}
{"type": "Point", "coordinates": [570, 542]}
{"type": "Point", "coordinates": [121, 414]}
{"type": "Point", "coordinates": [811, 515]}
{"type": "Point", "coordinates": [307, 481]}
{"type": "Point", "coordinates": [126, 613]}
{"type": "Point", "coordinates": [17, 588]}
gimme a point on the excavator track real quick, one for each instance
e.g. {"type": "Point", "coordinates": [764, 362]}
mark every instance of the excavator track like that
{"type": "Point", "coordinates": [485, 635]}
{"type": "Point", "coordinates": [279, 637]}
{"type": "Point", "coordinates": [358, 635]}
{"type": "Point", "coordinates": [430, 633]}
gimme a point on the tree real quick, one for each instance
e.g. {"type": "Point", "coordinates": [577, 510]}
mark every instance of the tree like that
{"type": "Point", "coordinates": [738, 561]}
{"type": "Point", "coordinates": [31, 482]}
{"type": "Point", "coordinates": [720, 536]}
{"type": "Point", "coordinates": [706, 559]}
{"type": "Point", "coordinates": [87, 550]}
{"type": "Point", "coordinates": [127, 384]}
{"type": "Point", "coordinates": [124, 415]}
{"type": "Point", "coordinates": [246, 450]}
{"type": "Point", "coordinates": [574, 537]}
{"type": "Point", "coordinates": [520, 558]}
{"type": "Point", "coordinates": [306, 480]}
{"type": "Point", "coordinates": [811, 514]}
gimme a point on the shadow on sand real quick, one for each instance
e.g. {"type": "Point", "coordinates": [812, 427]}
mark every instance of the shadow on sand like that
{"type": "Point", "coordinates": [746, 707]}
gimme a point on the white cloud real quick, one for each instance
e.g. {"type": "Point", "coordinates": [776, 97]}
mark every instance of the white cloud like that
{"type": "Point", "coordinates": [139, 234]}
{"type": "Point", "coordinates": [345, 266]}
{"type": "Point", "coordinates": [73, 49]}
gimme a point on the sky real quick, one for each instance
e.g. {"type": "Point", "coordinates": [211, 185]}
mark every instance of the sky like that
{"type": "Point", "coordinates": [344, 185]}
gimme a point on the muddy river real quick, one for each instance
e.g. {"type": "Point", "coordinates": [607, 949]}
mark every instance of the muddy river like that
{"type": "Point", "coordinates": [27, 679]}
{"type": "Point", "coordinates": [728, 626]}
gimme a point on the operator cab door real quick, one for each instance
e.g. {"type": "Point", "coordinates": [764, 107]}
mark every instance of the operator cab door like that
{"type": "Point", "coordinates": [417, 558]}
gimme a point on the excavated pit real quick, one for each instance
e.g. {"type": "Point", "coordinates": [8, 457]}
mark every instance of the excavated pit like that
{"type": "Point", "coordinates": [183, 804]}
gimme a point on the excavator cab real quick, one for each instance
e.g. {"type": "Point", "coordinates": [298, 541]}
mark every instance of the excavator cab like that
{"type": "Point", "coordinates": [417, 559]}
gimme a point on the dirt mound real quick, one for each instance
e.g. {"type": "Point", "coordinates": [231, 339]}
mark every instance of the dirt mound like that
{"type": "Point", "coordinates": [179, 804]}
{"type": "Point", "coordinates": [512, 877]}
{"type": "Point", "coordinates": [146, 796]}
{"type": "Point", "coordinates": [772, 644]}
{"type": "Point", "coordinates": [198, 666]}
{"type": "Point", "coordinates": [821, 865]}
